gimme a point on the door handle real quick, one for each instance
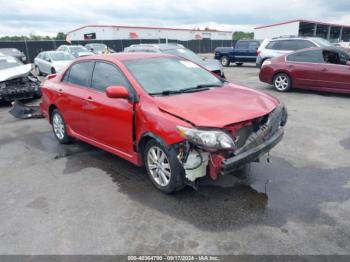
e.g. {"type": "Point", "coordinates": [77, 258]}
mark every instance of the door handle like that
{"type": "Point", "coordinates": [89, 98]}
{"type": "Point", "coordinates": [60, 90]}
{"type": "Point", "coordinates": [324, 70]}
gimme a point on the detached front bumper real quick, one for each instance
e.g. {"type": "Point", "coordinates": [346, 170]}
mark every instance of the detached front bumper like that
{"type": "Point", "coordinates": [231, 164]}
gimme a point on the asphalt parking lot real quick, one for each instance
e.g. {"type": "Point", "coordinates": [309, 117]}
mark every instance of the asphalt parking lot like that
{"type": "Point", "coordinates": [76, 199]}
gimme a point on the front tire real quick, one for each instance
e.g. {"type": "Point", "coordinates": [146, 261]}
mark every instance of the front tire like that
{"type": "Point", "coordinates": [282, 82]}
{"type": "Point", "coordinates": [225, 61]}
{"type": "Point", "coordinates": [163, 167]}
{"type": "Point", "coordinates": [59, 128]}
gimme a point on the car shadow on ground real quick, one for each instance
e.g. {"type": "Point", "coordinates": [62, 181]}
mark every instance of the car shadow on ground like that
{"type": "Point", "coordinates": [307, 92]}
{"type": "Point", "coordinates": [266, 193]}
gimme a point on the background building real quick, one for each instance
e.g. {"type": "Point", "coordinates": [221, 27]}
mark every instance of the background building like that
{"type": "Point", "coordinates": [332, 32]}
{"type": "Point", "coordinates": [111, 32]}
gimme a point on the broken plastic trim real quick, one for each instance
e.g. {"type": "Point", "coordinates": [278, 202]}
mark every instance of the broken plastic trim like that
{"type": "Point", "coordinates": [22, 111]}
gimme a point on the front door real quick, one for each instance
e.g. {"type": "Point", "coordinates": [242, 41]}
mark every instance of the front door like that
{"type": "Point", "coordinates": [110, 119]}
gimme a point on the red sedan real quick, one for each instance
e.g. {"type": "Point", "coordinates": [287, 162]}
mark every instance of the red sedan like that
{"type": "Point", "coordinates": [323, 69]}
{"type": "Point", "coordinates": [164, 112]}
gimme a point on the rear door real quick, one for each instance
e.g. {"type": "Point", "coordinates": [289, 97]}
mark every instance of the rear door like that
{"type": "Point", "coordinates": [110, 118]}
{"type": "Point", "coordinates": [75, 95]}
{"type": "Point", "coordinates": [305, 68]}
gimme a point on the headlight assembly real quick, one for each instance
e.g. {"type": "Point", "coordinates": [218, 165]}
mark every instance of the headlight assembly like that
{"type": "Point", "coordinates": [210, 140]}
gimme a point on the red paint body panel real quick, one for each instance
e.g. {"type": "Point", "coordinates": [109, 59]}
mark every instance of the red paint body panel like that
{"type": "Point", "coordinates": [218, 107]}
{"type": "Point", "coordinates": [314, 76]}
{"type": "Point", "coordinates": [108, 123]}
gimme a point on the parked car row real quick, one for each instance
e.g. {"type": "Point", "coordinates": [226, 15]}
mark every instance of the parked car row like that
{"type": "Point", "coordinates": [178, 50]}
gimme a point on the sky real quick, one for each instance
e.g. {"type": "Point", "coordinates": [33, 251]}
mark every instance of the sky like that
{"type": "Point", "coordinates": [47, 17]}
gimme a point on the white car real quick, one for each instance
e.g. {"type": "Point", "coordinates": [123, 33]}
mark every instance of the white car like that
{"type": "Point", "coordinates": [283, 45]}
{"type": "Point", "coordinates": [75, 50]}
{"type": "Point", "coordinates": [51, 62]}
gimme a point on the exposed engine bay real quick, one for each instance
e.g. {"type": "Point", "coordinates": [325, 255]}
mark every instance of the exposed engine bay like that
{"type": "Point", "coordinates": [252, 139]}
{"type": "Point", "coordinates": [16, 80]}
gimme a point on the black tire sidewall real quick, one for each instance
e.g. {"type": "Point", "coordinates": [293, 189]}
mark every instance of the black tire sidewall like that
{"type": "Point", "coordinates": [177, 171]}
{"type": "Point", "coordinates": [66, 139]}
{"type": "Point", "coordinates": [289, 82]}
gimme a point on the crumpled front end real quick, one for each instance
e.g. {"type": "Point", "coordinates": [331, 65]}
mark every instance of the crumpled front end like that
{"type": "Point", "coordinates": [252, 139]}
{"type": "Point", "coordinates": [20, 88]}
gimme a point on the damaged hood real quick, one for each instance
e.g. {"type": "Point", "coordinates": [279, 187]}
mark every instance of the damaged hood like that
{"type": "Point", "coordinates": [218, 107]}
{"type": "Point", "coordinates": [15, 72]}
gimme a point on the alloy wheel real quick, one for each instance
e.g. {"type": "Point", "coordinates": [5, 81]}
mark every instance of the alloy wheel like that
{"type": "Point", "coordinates": [159, 166]}
{"type": "Point", "coordinates": [58, 126]}
{"type": "Point", "coordinates": [281, 83]}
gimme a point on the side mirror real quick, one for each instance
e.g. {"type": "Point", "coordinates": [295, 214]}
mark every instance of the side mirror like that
{"type": "Point", "coordinates": [117, 92]}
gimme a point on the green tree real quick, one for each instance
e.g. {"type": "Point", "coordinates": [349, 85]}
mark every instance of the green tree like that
{"type": "Point", "coordinates": [238, 35]}
{"type": "Point", "coordinates": [61, 36]}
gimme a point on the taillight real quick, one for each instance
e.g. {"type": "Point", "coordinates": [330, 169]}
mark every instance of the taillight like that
{"type": "Point", "coordinates": [258, 53]}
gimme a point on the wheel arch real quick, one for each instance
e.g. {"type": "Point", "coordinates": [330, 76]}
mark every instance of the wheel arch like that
{"type": "Point", "coordinates": [51, 108]}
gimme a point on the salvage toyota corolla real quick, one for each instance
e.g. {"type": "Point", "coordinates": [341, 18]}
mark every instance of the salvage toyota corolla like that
{"type": "Point", "coordinates": [164, 112]}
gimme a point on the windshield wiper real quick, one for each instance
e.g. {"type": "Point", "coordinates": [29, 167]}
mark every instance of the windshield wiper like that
{"type": "Point", "coordinates": [202, 87]}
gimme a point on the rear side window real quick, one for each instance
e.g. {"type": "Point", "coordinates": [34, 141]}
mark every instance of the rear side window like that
{"type": "Point", "coordinates": [80, 74]}
{"type": "Point", "coordinates": [283, 45]}
{"type": "Point", "coordinates": [253, 45]}
{"type": "Point", "coordinates": [242, 45]}
{"type": "Point", "coordinates": [313, 56]}
{"type": "Point", "coordinates": [302, 44]}
{"type": "Point", "coordinates": [106, 75]}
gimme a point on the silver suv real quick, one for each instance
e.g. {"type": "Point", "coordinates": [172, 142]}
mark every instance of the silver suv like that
{"type": "Point", "coordinates": [283, 45]}
{"type": "Point", "coordinates": [179, 50]}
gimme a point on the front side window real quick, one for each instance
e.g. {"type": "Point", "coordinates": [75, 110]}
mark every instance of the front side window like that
{"type": "Point", "coordinates": [313, 56]}
{"type": "Point", "coordinates": [157, 75]}
{"type": "Point", "coordinates": [106, 75]}
{"type": "Point", "coordinates": [80, 74]}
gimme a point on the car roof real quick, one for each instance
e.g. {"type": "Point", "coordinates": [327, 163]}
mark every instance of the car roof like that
{"type": "Point", "coordinates": [160, 46]}
{"type": "Point", "coordinates": [125, 56]}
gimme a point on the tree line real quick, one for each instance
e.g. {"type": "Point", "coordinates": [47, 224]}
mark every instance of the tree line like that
{"type": "Point", "coordinates": [59, 36]}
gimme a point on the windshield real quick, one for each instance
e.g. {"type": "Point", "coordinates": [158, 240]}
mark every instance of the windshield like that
{"type": "Point", "coordinates": [321, 42]}
{"type": "Point", "coordinates": [98, 47]}
{"type": "Point", "coordinates": [61, 56]}
{"type": "Point", "coordinates": [77, 49]}
{"type": "Point", "coordinates": [8, 62]}
{"type": "Point", "coordinates": [157, 75]}
{"type": "Point", "coordinates": [185, 53]}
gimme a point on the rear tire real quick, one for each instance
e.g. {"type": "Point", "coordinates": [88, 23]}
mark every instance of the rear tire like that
{"type": "Point", "coordinates": [225, 61]}
{"type": "Point", "coordinates": [282, 82]}
{"type": "Point", "coordinates": [59, 128]}
{"type": "Point", "coordinates": [163, 168]}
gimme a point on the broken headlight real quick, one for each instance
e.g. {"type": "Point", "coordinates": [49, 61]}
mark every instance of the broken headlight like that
{"type": "Point", "coordinates": [208, 139]}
